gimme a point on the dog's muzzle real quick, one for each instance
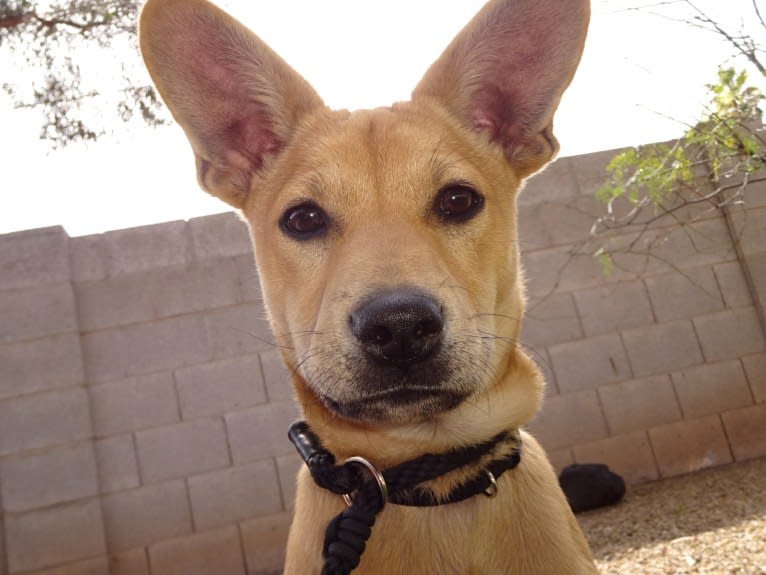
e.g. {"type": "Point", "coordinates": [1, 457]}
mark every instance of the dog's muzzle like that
{"type": "Point", "coordinates": [401, 363]}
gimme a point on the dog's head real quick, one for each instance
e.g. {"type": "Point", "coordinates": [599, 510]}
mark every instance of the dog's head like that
{"type": "Point", "coordinates": [385, 239]}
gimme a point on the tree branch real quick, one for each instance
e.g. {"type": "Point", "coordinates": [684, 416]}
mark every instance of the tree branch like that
{"type": "Point", "coordinates": [758, 13]}
{"type": "Point", "coordinates": [14, 20]}
{"type": "Point", "coordinates": [18, 20]}
{"type": "Point", "coordinates": [749, 54]}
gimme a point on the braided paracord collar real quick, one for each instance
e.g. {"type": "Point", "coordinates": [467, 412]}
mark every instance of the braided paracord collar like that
{"type": "Point", "coordinates": [347, 533]}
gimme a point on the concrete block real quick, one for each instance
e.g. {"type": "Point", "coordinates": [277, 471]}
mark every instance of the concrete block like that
{"type": "Point", "coordinates": [135, 562]}
{"type": "Point", "coordinates": [555, 183]}
{"type": "Point", "coordinates": [87, 258]}
{"type": "Point", "coordinates": [209, 553]}
{"type": "Point", "coordinates": [287, 468]}
{"type": "Point", "coordinates": [238, 330]}
{"type": "Point", "coordinates": [134, 404]}
{"type": "Point", "coordinates": [218, 387]}
{"type": "Point", "coordinates": [661, 348]}
{"type": "Point", "coordinates": [249, 281]}
{"type": "Point", "coordinates": [551, 320]}
{"type": "Point", "coordinates": [543, 270]}
{"type": "Point", "coordinates": [750, 228]}
{"type": "Point", "coordinates": [219, 236]}
{"type": "Point", "coordinates": [563, 269]}
{"type": "Point", "coordinates": [614, 307]}
{"type": "Point", "coordinates": [44, 420]}
{"type": "Point", "coordinates": [755, 368]}
{"type": "Point", "coordinates": [49, 477]}
{"type": "Point", "coordinates": [40, 365]}
{"type": "Point", "coordinates": [684, 295]}
{"type": "Point", "coordinates": [730, 334]}
{"type": "Point", "coordinates": [569, 419]}
{"type": "Point", "coordinates": [589, 363]}
{"type": "Point", "coordinates": [755, 193]}
{"type": "Point", "coordinates": [37, 312]}
{"type": "Point", "coordinates": [688, 446]}
{"type": "Point", "coordinates": [116, 301]}
{"type": "Point", "coordinates": [746, 430]}
{"type": "Point", "coordinates": [142, 516]}
{"type": "Point", "coordinates": [731, 280]}
{"type": "Point", "coordinates": [261, 432]}
{"type": "Point", "coordinates": [182, 449]}
{"type": "Point", "coordinates": [146, 247]}
{"type": "Point", "coordinates": [590, 170]}
{"type": "Point", "coordinates": [34, 258]}
{"type": "Point", "coordinates": [627, 455]}
{"type": "Point", "coordinates": [96, 566]}
{"type": "Point", "coordinates": [53, 536]}
{"type": "Point", "coordinates": [275, 376]}
{"type": "Point", "coordinates": [699, 244]}
{"type": "Point", "coordinates": [234, 494]}
{"type": "Point", "coordinates": [157, 293]}
{"type": "Point", "coordinates": [570, 222]}
{"type": "Point", "coordinates": [557, 223]}
{"type": "Point", "coordinates": [632, 255]}
{"type": "Point", "coordinates": [117, 463]}
{"type": "Point", "coordinates": [265, 540]}
{"type": "Point", "coordinates": [712, 388]}
{"type": "Point", "coordinates": [139, 349]}
{"type": "Point", "coordinates": [532, 232]}
{"type": "Point", "coordinates": [205, 285]}
{"type": "Point", "coordinates": [639, 404]}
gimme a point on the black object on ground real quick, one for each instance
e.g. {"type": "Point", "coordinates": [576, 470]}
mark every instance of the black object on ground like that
{"type": "Point", "coordinates": [590, 486]}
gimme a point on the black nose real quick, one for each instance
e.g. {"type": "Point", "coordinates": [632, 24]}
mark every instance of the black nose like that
{"type": "Point", "coordinates": [398, 327]}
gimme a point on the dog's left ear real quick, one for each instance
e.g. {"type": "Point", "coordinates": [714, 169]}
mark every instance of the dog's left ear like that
{"type": "Point", "coordinates": [505, 72]}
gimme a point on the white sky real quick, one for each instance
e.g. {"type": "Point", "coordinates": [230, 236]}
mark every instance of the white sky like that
{"type": "Point", "coordinates": [638, 71]}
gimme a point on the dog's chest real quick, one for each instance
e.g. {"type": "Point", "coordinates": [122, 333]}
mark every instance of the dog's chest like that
{"type": "Point", "coordinates": [457, 539]}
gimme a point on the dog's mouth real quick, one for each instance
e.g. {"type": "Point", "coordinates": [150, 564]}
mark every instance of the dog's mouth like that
{"type": "Point", "coordinates": [404, 403]}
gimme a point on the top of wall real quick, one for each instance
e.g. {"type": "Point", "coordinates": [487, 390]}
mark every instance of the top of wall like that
{"type": "Point", "coordinates": [47, 256]}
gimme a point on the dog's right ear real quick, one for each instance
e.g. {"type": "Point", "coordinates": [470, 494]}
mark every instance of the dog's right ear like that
{"type": "Point", "coordinates": [236, 99]}
{"type": "Point", "coordinates": [504, 74]}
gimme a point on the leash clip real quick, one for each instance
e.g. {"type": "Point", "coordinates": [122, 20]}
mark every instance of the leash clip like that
{"type": "Point", "coordinates": [377, 475]}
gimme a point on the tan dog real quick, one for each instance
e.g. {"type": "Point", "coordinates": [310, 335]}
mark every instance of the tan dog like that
{"type": "Point", "coordinates": [386, 245]}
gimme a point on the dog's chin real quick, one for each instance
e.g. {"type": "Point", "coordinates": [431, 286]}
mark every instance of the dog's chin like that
{"type": "Point", "coordinates": [410, 404]}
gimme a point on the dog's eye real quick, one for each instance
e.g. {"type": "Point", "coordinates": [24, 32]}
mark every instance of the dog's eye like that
{"type": "Point", "coordinates": [458, 203]}
{"type": "Point", "coordinates": [304, 222]}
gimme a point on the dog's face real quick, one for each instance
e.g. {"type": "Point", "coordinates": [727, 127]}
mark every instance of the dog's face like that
{"type": "Point", "coordinates": [391, 264]}
{"type": "Point", "coordinates": [385, 239]}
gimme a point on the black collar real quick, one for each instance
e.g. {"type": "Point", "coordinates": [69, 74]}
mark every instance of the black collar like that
{"type": "Point", "coordinates": [402, 485]}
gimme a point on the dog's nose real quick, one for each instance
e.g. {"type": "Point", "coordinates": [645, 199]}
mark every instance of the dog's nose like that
{"type": "Point", "coordinates": [398, 327]}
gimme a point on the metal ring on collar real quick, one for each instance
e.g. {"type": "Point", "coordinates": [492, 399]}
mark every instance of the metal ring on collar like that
{"type": "Point", "coordinates": [377, 475]}
{"type": "Point", "coordinates": [491, 490]}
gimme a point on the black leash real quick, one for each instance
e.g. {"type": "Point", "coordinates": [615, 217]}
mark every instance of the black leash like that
{"type": "Point", "coordinates": [347, 533]}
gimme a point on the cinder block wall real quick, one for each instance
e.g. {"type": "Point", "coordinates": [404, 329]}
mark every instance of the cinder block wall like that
{"type": "Point", "coordinates": [143, 407]}
{"type": "Point", "coordinates": [659, 367]}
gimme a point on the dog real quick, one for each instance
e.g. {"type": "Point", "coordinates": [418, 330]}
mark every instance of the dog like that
{"type": "Point", "coordinates": [386, 244]}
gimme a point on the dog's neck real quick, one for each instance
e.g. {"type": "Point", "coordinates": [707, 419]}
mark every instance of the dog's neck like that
{"type": "Point", "coordinates": [500, 407]}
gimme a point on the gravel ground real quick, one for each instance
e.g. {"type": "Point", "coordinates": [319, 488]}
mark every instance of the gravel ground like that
{"type": "Point", "coordinates": [711, 522]}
